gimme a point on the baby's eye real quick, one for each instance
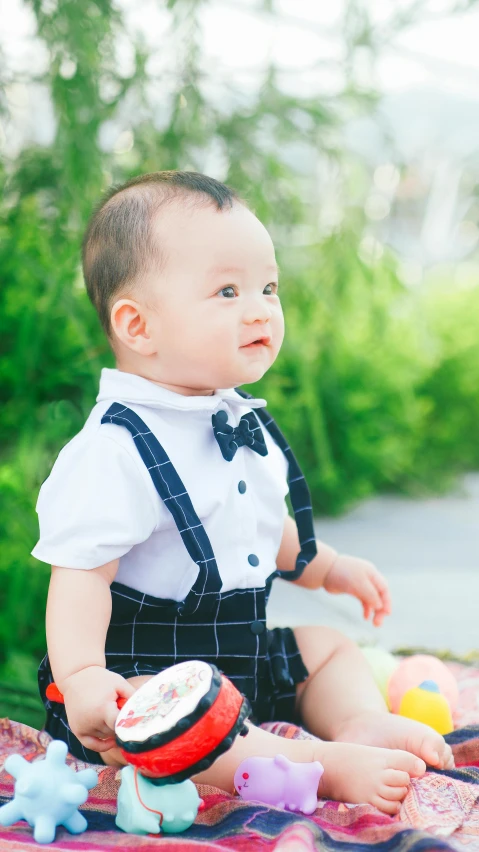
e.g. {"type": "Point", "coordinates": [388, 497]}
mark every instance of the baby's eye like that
{"type": "Point", "coordinates": [271, 289]}
{"type": "Point", "coordinates": [228, 292]}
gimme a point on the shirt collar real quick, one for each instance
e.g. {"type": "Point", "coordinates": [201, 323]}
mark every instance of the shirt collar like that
{"type": "Point", "coordinates": [115, 385]}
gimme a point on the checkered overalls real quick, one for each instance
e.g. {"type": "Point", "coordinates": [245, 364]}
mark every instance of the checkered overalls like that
{"type": "Point", "coordinates": [147, 634]}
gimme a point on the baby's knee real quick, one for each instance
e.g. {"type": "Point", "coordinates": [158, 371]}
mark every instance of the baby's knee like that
{"type": "Point", "coordinates": [113, 757]}
{"type": "Point", "coordinates": [138, 680]}
{"type": "Point", "coordinates": [322, 642]}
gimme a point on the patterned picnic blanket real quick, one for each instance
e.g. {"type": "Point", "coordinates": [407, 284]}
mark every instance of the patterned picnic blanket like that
{"type": "Point", "coordinates": [441, 811]}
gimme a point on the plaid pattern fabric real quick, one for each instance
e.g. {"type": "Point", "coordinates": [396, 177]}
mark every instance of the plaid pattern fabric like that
{"type": "Point", "coordinates": [148, 634]}
{"type": "Point", "coordinates": [176, 498]}
{"type": "Point", "coordinates": [298, 492]}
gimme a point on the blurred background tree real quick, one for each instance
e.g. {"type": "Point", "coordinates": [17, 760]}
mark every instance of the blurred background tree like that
{"type": "Point", "coordinates": [377, 382]}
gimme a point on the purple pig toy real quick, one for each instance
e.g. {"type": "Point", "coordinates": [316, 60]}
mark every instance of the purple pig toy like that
{"type": "Point", "coordinates": [280, 782]}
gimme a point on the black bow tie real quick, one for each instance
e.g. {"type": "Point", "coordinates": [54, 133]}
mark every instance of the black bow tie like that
{"type": "Point", "coordinates": [246, 434]}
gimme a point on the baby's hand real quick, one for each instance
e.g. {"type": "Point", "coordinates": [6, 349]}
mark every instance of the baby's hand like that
{"type": "Point", "coordinates": [90, 700]}
{"type": "Point", "coordinates": [357, 577]}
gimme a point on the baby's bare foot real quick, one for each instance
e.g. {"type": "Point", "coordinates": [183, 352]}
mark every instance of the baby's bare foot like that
{"type": "Point", "coordinates": [361, 774]}
{"type": "Point", "coordinates": [390, 731]}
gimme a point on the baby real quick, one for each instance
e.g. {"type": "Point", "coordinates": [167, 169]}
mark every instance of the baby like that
{"type": "Point", "coordinates": [165, 520]}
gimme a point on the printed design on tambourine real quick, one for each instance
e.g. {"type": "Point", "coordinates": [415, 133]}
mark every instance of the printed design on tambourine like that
{"type": "Point", "coordinates": [180, 721]}
{"type": "Point", "coordinates": [164, 700]}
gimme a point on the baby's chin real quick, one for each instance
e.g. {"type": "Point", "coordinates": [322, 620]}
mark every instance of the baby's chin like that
{"type": "Point", "coordinates": [236, 374]}
{"type": "Point", "coordinates": [247, 377]}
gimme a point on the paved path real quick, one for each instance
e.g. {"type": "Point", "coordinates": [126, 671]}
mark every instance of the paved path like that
{"type": "Point", "coordinates": [429, 552]}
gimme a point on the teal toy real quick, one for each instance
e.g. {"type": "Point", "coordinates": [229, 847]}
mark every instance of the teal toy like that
{"type": "Point", "coordinates": [147, 808]}
{"type": "Point", "coordinates": [48, 793]}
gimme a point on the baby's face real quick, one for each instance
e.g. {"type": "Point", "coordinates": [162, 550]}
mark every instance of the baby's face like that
{"type": "Point", "coordinates": [216, 318]}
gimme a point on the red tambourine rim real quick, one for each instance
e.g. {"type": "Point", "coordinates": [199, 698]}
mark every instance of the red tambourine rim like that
{"type": "Point", "coordinates": [193, 746]}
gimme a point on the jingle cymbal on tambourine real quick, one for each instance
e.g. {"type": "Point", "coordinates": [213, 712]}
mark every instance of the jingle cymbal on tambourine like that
{"type": "Point", "coordinates": [180, 721]}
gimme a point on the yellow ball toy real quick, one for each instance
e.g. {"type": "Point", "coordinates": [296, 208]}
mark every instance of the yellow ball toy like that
{"type": "Point", "coordinates": [415, 670]}
{"type": "Point", "coordinates": [424, 703]}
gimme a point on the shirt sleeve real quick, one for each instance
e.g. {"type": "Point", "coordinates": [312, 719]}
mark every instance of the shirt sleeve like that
{"type": "Point", "coordinates": [96, 504]}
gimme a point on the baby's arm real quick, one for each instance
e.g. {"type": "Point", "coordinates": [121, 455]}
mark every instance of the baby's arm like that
{"type": "Point", "coordinates": [337, 573]}
{"type": "Point", "coordinates": [78, 615]}
{"type": "Point", "coordinates": [315, 572]}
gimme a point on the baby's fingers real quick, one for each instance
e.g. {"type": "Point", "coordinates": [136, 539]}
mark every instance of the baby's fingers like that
{"type": "Point", "coordinates": [383, 604]}
{"type": "Point", "coordinates": [369, 597]}
{"type": "Point", "coordinates": [111, 713]}
{"type": "Point", "coordinates": [97, 744]}
{"type": "Point", "coordinates": [379, 615]}
{"type": "Point", "coordinates": [382, 589]}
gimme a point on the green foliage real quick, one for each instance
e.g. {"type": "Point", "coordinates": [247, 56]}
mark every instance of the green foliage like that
{"type": "Point", "coordinates": [346, 385]}
{"type": "Point", "coordinates": [450, 389]}
{"type": "Point", "coordinates": [375, 387]}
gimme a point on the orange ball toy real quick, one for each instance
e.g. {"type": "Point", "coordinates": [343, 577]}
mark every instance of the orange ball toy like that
{"type": "Point", "coordinates": [412, 671]}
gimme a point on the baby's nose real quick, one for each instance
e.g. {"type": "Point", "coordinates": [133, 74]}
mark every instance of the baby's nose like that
{"type": "Point", "coordinates": [258, 311]}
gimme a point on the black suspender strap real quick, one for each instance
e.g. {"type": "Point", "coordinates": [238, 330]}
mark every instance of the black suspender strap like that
{"type": "Point", "coordinates": [175, 497]}
{"type": "Point", "coordinates": [299, 493]}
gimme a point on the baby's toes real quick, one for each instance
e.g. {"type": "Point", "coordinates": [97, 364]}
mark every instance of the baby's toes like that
{"type": "Point", "coordinates": [395, 784]}
{"type": "Point", "coordinates": [428, 744]}
{"type": "Point", "coordinates": [448, 757]}
{"type": "Point", "coordinates": [393, 794]}
{"type": "Point", "coordinates": [395, 778]}
{"type": "Point", "coordinates": [385, 805]}
{"type": "Point", "coordinates": [439, 753]}
{"type": "Point", "coordinates": [405, 762]}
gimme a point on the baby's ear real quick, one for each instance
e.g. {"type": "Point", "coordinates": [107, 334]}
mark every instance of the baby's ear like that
{"type": "Point", "coordinates": [129, 325]}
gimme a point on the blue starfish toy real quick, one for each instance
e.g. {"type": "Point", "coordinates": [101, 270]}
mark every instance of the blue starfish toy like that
{"type": "Point", "coordinates": [48, 793]}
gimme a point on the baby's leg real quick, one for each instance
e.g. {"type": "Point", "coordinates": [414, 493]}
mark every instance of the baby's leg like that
{"type": "Point", "coordinates": [340, 700]}
{"type": "Point", "coordinates": [352, 773]}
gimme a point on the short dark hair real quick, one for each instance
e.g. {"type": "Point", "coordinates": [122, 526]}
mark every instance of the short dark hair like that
{"type": "Point", "coordinates": [118, 246]}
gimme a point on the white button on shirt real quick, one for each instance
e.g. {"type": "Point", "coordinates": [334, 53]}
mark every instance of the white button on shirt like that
{"type": "Point", "coordinates": [99, 502]}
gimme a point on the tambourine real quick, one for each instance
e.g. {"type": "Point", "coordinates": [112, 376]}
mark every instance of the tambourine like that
{"type": "Point", "coordinates": [180, 721]}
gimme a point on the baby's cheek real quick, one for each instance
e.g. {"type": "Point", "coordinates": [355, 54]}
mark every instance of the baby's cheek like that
{"type": "Point", "coordinates": [277, 324]}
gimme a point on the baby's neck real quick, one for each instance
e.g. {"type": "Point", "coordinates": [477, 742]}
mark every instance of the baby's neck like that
{"type": "Point", "coordinates": [180, 389]}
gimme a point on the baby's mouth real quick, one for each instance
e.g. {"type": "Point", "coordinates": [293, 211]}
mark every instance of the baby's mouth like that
{"type": "Point", "coordinates": [255, 344]}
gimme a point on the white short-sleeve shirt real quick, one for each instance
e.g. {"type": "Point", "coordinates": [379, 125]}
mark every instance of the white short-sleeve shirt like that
{"type": "Point", "coordinates": [99, 502]}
